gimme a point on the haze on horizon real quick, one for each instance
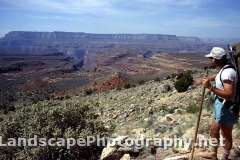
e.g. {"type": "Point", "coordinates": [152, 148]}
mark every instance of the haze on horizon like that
{"type": "Point", "coordinates": [208, 18]}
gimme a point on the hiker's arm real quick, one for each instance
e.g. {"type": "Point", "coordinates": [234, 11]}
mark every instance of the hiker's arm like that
{"type": "Point", "coordinates": [212, 78]}
{"type": "Point", "coordinates": [199, 81]}
{"type": "Point", "coordinates": [226, 93]}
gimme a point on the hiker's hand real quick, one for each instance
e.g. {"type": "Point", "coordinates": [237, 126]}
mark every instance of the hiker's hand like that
{"type": "Point", "coordinates": [206, 82]}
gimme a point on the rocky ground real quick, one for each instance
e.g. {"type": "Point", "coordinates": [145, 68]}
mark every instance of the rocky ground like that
{"type": "Point", "coordinates": [152, 110]}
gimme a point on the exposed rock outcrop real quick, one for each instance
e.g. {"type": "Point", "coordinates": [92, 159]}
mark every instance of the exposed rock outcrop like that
{"type": "Point", "coordinates": [21, 42]}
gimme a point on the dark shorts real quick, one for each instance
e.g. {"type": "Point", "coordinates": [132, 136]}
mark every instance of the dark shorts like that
{"type": "Point", "coordinates": [223, 114]}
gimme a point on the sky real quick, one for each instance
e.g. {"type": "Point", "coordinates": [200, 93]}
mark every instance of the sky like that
{"type": "Point", "coordinates": [202, 18]}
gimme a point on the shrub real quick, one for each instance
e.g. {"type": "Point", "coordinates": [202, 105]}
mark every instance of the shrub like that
{"type": "Point", "coordinates": [184, 80]}
{"type": "Point", "coordinates": [168, 77]}
{"type": "Point", "coordinates": [89, 91]}
{"type": "Point", "coordinates": [52, 120]}
{"type": "Point", "coordinates": [133, 85]}
{"type": "Point", "coordinates": [7, 99]}
{"type": "Point", "coordinates": [67, 97]}
{"type": "Point", "coordinates": [157, 79]}
{"type": "Point", "coordinates": [126, 86]}
{"type": "Point", "coordinates": [141, 82]}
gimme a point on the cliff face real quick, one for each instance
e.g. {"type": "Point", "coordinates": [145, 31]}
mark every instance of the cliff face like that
{"type": "Point", "coordinates": [78, 36]}
{"type": "Point", "coordinates": [39, 42]}
{"type": "Point", "coordinates": [20, 42]}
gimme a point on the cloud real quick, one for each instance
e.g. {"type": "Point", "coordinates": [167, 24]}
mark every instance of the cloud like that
{"type": "Point", "coordinates": [173, 2]}
{"type": "Point", "coordinates": [97, 7]}
{"type": "Point", "coordinates": [64, 6]}
{"type": "Point", "coordinates": [156, 4]}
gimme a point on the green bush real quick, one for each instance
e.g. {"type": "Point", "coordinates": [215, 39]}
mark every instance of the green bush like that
{"type": "Point", "coordinates": [89, 91]}
{"type": "Point", "coordinates": [168, 77]}
{"type": "Point", "coordinates": [7, 99]}
{"type": "Point", "coordinates": [184, 80]}
{"type": "Point", "coordinates": [157, 79]}
{"type": "Point", "coordinates": [126, 86]}
{"type": "Point", "coordinates": [141, 82]}
{"type": "Point", "coordinates": [133, 85]}
{"type": "Point", "coordinates": [52, 120]}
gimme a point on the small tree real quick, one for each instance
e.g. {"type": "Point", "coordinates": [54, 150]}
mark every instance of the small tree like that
{"type": "Point", "coordinates": [126, 86]}
{"type": "Point", "coordinates": [184, 80]}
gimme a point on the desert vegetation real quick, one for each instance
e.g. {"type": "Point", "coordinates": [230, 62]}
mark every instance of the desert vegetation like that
{"type": "Point", "coordinates": [184, 80]}
{"type": "Point", "coordinates": [52, 120]}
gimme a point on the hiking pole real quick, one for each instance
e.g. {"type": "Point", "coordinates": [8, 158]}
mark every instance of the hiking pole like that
{"type": "Point", "coordinates": [198, 121]}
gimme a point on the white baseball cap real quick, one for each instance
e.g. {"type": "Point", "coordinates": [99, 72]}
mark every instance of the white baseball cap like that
{"type": "Point", "coordinates": [217, 53]}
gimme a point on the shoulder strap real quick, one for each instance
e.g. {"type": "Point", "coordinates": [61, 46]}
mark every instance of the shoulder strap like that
{"type": "Point", "coordinates": [226, 67]}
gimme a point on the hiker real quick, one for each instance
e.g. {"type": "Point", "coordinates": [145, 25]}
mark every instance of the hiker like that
{"type": "Point", "coordinates": [224, 91]}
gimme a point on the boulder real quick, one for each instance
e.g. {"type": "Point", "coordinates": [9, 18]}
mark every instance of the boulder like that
{"type": "Point", "coordinates": [125, 157]}
{"type": "Point", "coordinates": [107, 152]}
{"type": "Point", "coordinates": [112, 147]}
{"type": "Point", "coordinates": [169, 118]}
